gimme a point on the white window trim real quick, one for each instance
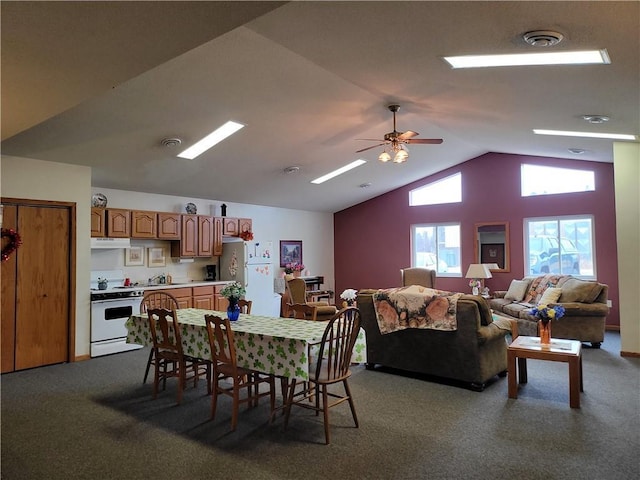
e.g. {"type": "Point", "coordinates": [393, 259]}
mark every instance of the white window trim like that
{"type": "Point", "coordinates": [436, 225]}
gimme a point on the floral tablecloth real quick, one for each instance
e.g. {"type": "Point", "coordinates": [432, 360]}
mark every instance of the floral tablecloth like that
{"type": "Point", "coordinates": [279, 346]}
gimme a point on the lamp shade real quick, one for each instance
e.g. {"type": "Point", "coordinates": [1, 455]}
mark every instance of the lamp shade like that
{"type": "Point", "coordinates": [478, 270]}
{"type": "Point", "coordinates": [384, 157]}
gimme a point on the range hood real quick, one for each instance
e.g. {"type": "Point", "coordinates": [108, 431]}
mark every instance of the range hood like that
{"type": "Point", "coordinates": [110, 242]}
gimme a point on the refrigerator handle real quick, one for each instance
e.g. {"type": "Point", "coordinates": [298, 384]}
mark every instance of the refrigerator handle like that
{"type": "Point", "coordinates": [246, 275]}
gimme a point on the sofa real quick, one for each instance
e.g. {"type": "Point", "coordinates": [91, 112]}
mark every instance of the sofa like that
{"type": "Point", "coordinates": [584, 301]}
{"type": "Point", "coordinates": [472, 354]}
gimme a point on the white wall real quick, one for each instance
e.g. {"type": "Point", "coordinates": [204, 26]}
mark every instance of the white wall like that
{"type": "Point", "coordinates": [627, 178]}
{"type": "Point", "coordinates": [37, 180]}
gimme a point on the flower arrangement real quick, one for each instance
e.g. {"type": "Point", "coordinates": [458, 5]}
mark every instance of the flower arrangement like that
{"type": "Point", "coordinates": [246, 235]}
{"type": "Point", "coordinates": [293, 267]}
{"type": "Point", "coordinates": [546, 313]}
{"type": "Point", "coordinates": [474, 282]}
{"type": "Point", "coordinates": [233, 290]}
{"type": "Point", "coordinates": [349, 295]}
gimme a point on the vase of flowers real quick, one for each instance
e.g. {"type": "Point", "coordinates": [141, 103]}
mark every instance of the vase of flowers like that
{"type": "Point", "coordinates": [294, 269]}
{"type": "Point", "coordinates": [545, 314]}
{"type": "Point", "coordinates": [475, 285]}
{"type": "Point", "coordinates": [349, 297]}
{"type": "Point", "coordinates": [233, 292]}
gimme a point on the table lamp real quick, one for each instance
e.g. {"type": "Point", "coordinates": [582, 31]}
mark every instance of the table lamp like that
{"type": "Point", "coordinates": [477, 272]}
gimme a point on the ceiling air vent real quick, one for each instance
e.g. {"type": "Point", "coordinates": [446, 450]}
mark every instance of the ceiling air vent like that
{"type": "Point", "coordinates": [170, 142]}
{"type": "Point", "coordinates": [543, 38]}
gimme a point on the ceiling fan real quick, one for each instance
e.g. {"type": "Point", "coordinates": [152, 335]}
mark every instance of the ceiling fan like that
{"type": "Point", "coordinates": [396, 141]}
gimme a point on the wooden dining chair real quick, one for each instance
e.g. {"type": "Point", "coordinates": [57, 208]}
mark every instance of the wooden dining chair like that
{"type": "Point", "coordinates": [150, 300]}
{"type": "Point", "coordinates": [331, 367]}
{"type": "Point", "coordinates": [225, 366]}
{"type": "Point", "coordinates": [304, 311]}
{"type": "Point", "coordinates": [170, 360]}
{"type": "Point", "coordinates": [245, 306]}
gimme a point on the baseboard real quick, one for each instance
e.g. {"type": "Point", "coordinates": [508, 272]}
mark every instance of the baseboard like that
{"type": "Point", "coordinates": [630, 354]}
{"type": "Point", "coordinates": [82, 358]}
{"type": "Point", "coordinates": [612, 328]}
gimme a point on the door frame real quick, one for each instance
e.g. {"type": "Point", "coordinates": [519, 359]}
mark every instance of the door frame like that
{"type": "Point", "coordinates": [71, 206]}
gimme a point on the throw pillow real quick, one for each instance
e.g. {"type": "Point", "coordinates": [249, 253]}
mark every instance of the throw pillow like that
{"type": "Point", "coordinates": [517, 290]}
{"type": "Point", "coordinates": [550, 295]}
{"type": "Point", "coordinates": [580, 291]}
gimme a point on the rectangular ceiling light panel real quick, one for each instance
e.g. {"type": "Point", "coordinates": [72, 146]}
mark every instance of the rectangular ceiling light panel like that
{"type": "Point", "coordinates": [520, 59]}
{"type": "Point", "coordinates": [564, 133]}
{"type": "Point", "coordinates": [210, 140]}
{"type": "Point", "coordinates": [337, 172]}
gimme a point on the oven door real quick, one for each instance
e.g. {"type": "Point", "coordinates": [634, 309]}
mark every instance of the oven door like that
{"type": "Point", "coordinates": [109, 316]}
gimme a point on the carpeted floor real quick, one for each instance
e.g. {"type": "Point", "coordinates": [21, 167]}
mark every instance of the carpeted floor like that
{"type": "Point", "coordinates": [95, 420]}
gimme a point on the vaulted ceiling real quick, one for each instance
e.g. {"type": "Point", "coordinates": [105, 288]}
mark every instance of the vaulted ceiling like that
{"type": "Point", "coordinates": [103, 83]}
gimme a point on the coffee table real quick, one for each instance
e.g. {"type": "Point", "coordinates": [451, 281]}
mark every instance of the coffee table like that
{"type": "Point", "coordinates": [569, 351]}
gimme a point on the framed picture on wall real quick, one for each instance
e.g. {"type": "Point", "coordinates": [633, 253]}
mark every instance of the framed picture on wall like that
{"type": "Point", "coordinates": [134, 256]}
{"type": "Point", "coordinates": [156, 257]}
{"type": "Point", "coordinates": [492, 253]}
{"type": "Point", "coordinates": [290, 252]}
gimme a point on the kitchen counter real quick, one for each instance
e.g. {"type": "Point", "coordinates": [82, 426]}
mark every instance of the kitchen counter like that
{"type": "Point", "coordinates": [193, 283]}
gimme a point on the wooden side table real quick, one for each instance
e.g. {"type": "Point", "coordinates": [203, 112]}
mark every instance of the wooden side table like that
{"type": "Point", "coordinates": [568, 351]}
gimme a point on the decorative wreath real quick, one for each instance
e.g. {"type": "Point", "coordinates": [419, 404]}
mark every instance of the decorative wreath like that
{"type": "Point", "coordinates": [247, 235]}
{"type": "Point", "coordinates": [14, 242]}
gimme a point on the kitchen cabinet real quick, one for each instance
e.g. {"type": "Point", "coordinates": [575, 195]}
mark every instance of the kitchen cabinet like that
{"type": "Point", "coordinates": [144, 224]}
{"type": "Point", "coordinates": [221, 303]}
{"type": "Point", "coordinates": [244, 225]}
{"type": "Point", "coordinates": [196, 237]}
{"type": "Point", "coordinates": [169, 226]}
{"type": "Point", "coordinates": [230, 226]}
{"type": "Point", "coordinates": [118, 223]}
{"type": "Point", "coordinates": [217, 236]}
{"type": "Point", "coordinates": [184, 296]}
{"type": "Point", "coordinates": [98, 222]}
{"type": "Point", "coordinates": [203, 297]}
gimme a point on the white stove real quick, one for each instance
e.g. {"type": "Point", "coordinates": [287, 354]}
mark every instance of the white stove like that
{"type": "Point", "coordinates": [110, 309]}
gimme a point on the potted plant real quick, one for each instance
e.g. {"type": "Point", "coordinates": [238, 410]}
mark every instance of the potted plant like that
{"type": "Point", "coordinates": [233, 292]}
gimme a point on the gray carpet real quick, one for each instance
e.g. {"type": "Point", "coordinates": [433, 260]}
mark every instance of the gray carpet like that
{"type": "Point", "coordinates": [95, 420]}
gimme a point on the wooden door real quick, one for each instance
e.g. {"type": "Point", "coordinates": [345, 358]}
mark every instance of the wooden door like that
{"type": "Point", "coordinates": [43, 286]}
{"type": "Point", "coordinates": [143, 224]}
{"type": "Point", "coordinates": [230, 226]}
{"type": "Point", "coordinates": [205, 236]}
{"type": "Point", "coordinates": [9, 275]}
{"type": "Point", "coordinates": [118, 223]}
{"type": "Point", "coordinates": [189, 236]}
{"type": "Point", "coordinates": [98, 222]}
{"type": "Point", "coordinates": [217, 236]}
{"type": "Point", "coordinates": [169, 226]}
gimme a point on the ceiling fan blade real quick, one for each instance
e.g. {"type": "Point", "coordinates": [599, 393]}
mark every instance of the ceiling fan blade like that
{"type": "Point", "coordinates": [408, 134]}
{"type": "Point", "coordinates": [371, 139]}
{"type": "Point", "coordinates": [432, 141]}
{"type": "Point", "coordinates": [369, 148]}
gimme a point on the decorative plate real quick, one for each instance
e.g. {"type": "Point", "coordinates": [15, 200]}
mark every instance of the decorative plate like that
{"type": "Point", "coordinates": [191, 208]}
{"type": "Point", "coordinates": [99, 200]}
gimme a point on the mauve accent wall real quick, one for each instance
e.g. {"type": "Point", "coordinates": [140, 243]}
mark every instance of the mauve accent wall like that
{"type": "Point", "coordinates": [373, 239]}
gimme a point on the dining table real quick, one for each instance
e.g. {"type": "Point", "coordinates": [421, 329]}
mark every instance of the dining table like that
{"type": "Point", "coordinates": [284, 347]}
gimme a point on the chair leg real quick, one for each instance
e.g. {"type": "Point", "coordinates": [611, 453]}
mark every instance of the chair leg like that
{"type": "Point", "coordinates": [325, 408]}
{"type": "Point", "coordinates": [214, 397]}
{"type": "Point", "coordinates": [351, 404]}
{"type": "Point", "coordinates": [289, 401]}
{"type": "Point", "coordinates": [236, 404]}
{"type": "Point", "coordinates": [146, 371]}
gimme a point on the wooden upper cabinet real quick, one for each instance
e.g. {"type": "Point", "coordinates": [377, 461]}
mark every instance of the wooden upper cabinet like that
{"type": "Point", "coordinates": [205, 236]}
{"type": "Point", "coordinates": [97, 222]}
{"type": "Point", "coordinates": [244, 225]}
{"type": "Point", "coordinates": [169, 226]}
{"type": "Point", "coordinates": [144, 224]}
{"type": "Point", "coordinates": [118, 223]}
{"type": "Point", "coordinates": [230, 226]}
{"type": "Point", "coordinates": [217, 236]}
{"type": "Point", "coordinates": [189, 236]}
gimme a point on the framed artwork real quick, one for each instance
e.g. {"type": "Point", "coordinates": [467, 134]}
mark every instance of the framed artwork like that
{"type": "Point", "coordinates": [492, 253]}
{"type": "Point", "coordinates": [134, 256]}
{"type": "Point", "coordinates": [290, 252]}
{"type": "Point", "coordinates": [156, 257]}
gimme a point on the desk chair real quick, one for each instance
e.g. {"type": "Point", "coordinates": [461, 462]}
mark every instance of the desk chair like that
{"type": "Point", "coordinates": [225, 366]}
{"type": "Point", "coordinates": [331, 367]}
{"type": "Point", "coordinates": [418, 276]}
{"type": "Point", "coordinates": [297, 291]}
{"type": "Point", "coordinates": [151, 300]}
{"type": "Point", "coordinates": [170, 360]}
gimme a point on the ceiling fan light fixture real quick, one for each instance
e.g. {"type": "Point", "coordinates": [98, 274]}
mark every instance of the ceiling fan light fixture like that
{"type": "Point", "coordinates": [401, 156]}
{"type": "Point", "coordinates": [384, 157]}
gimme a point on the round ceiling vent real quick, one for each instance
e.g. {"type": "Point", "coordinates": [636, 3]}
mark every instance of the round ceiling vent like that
{"type": "Point", "coordinates": [596, 118]}
{"type": "Point", "coordinates": [543, 38]}
{"type": "Point", "coordinates": [170, 142]}
{"type": "Point", "coordinates": [290, 170]}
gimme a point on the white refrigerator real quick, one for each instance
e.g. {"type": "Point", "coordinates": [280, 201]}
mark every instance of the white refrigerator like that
{"type": "Point", "coordinates": [250, 263]}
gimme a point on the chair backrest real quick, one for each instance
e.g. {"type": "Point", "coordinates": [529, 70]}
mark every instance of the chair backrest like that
{"type": "Point", "coordinates": [165, 332]}
{"type": "Point", "coordinates": [304, 311]}
{"type": "Point", "coordinates": [418, 276]}
{"type": "Point", "coordinates": [221, 340]}
{"type": "Point", "coordinates": [297, 290]}
{"type": "Point", "coordinates": [158, 299]}
{"type": "Point", "coordinates": [337, 344]}
{"type": "Point", "coordinates": [245, 306]}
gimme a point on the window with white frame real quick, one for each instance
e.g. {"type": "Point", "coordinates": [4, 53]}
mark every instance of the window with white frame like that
{"type": "Point", "coordinates": [560, 245]}
{"type": "Point", "coordinates": [543, 180]}
{"type": "Point", "coordinates": [437, 246]}
{"type": "Point", "coordinates": [446, 190]}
